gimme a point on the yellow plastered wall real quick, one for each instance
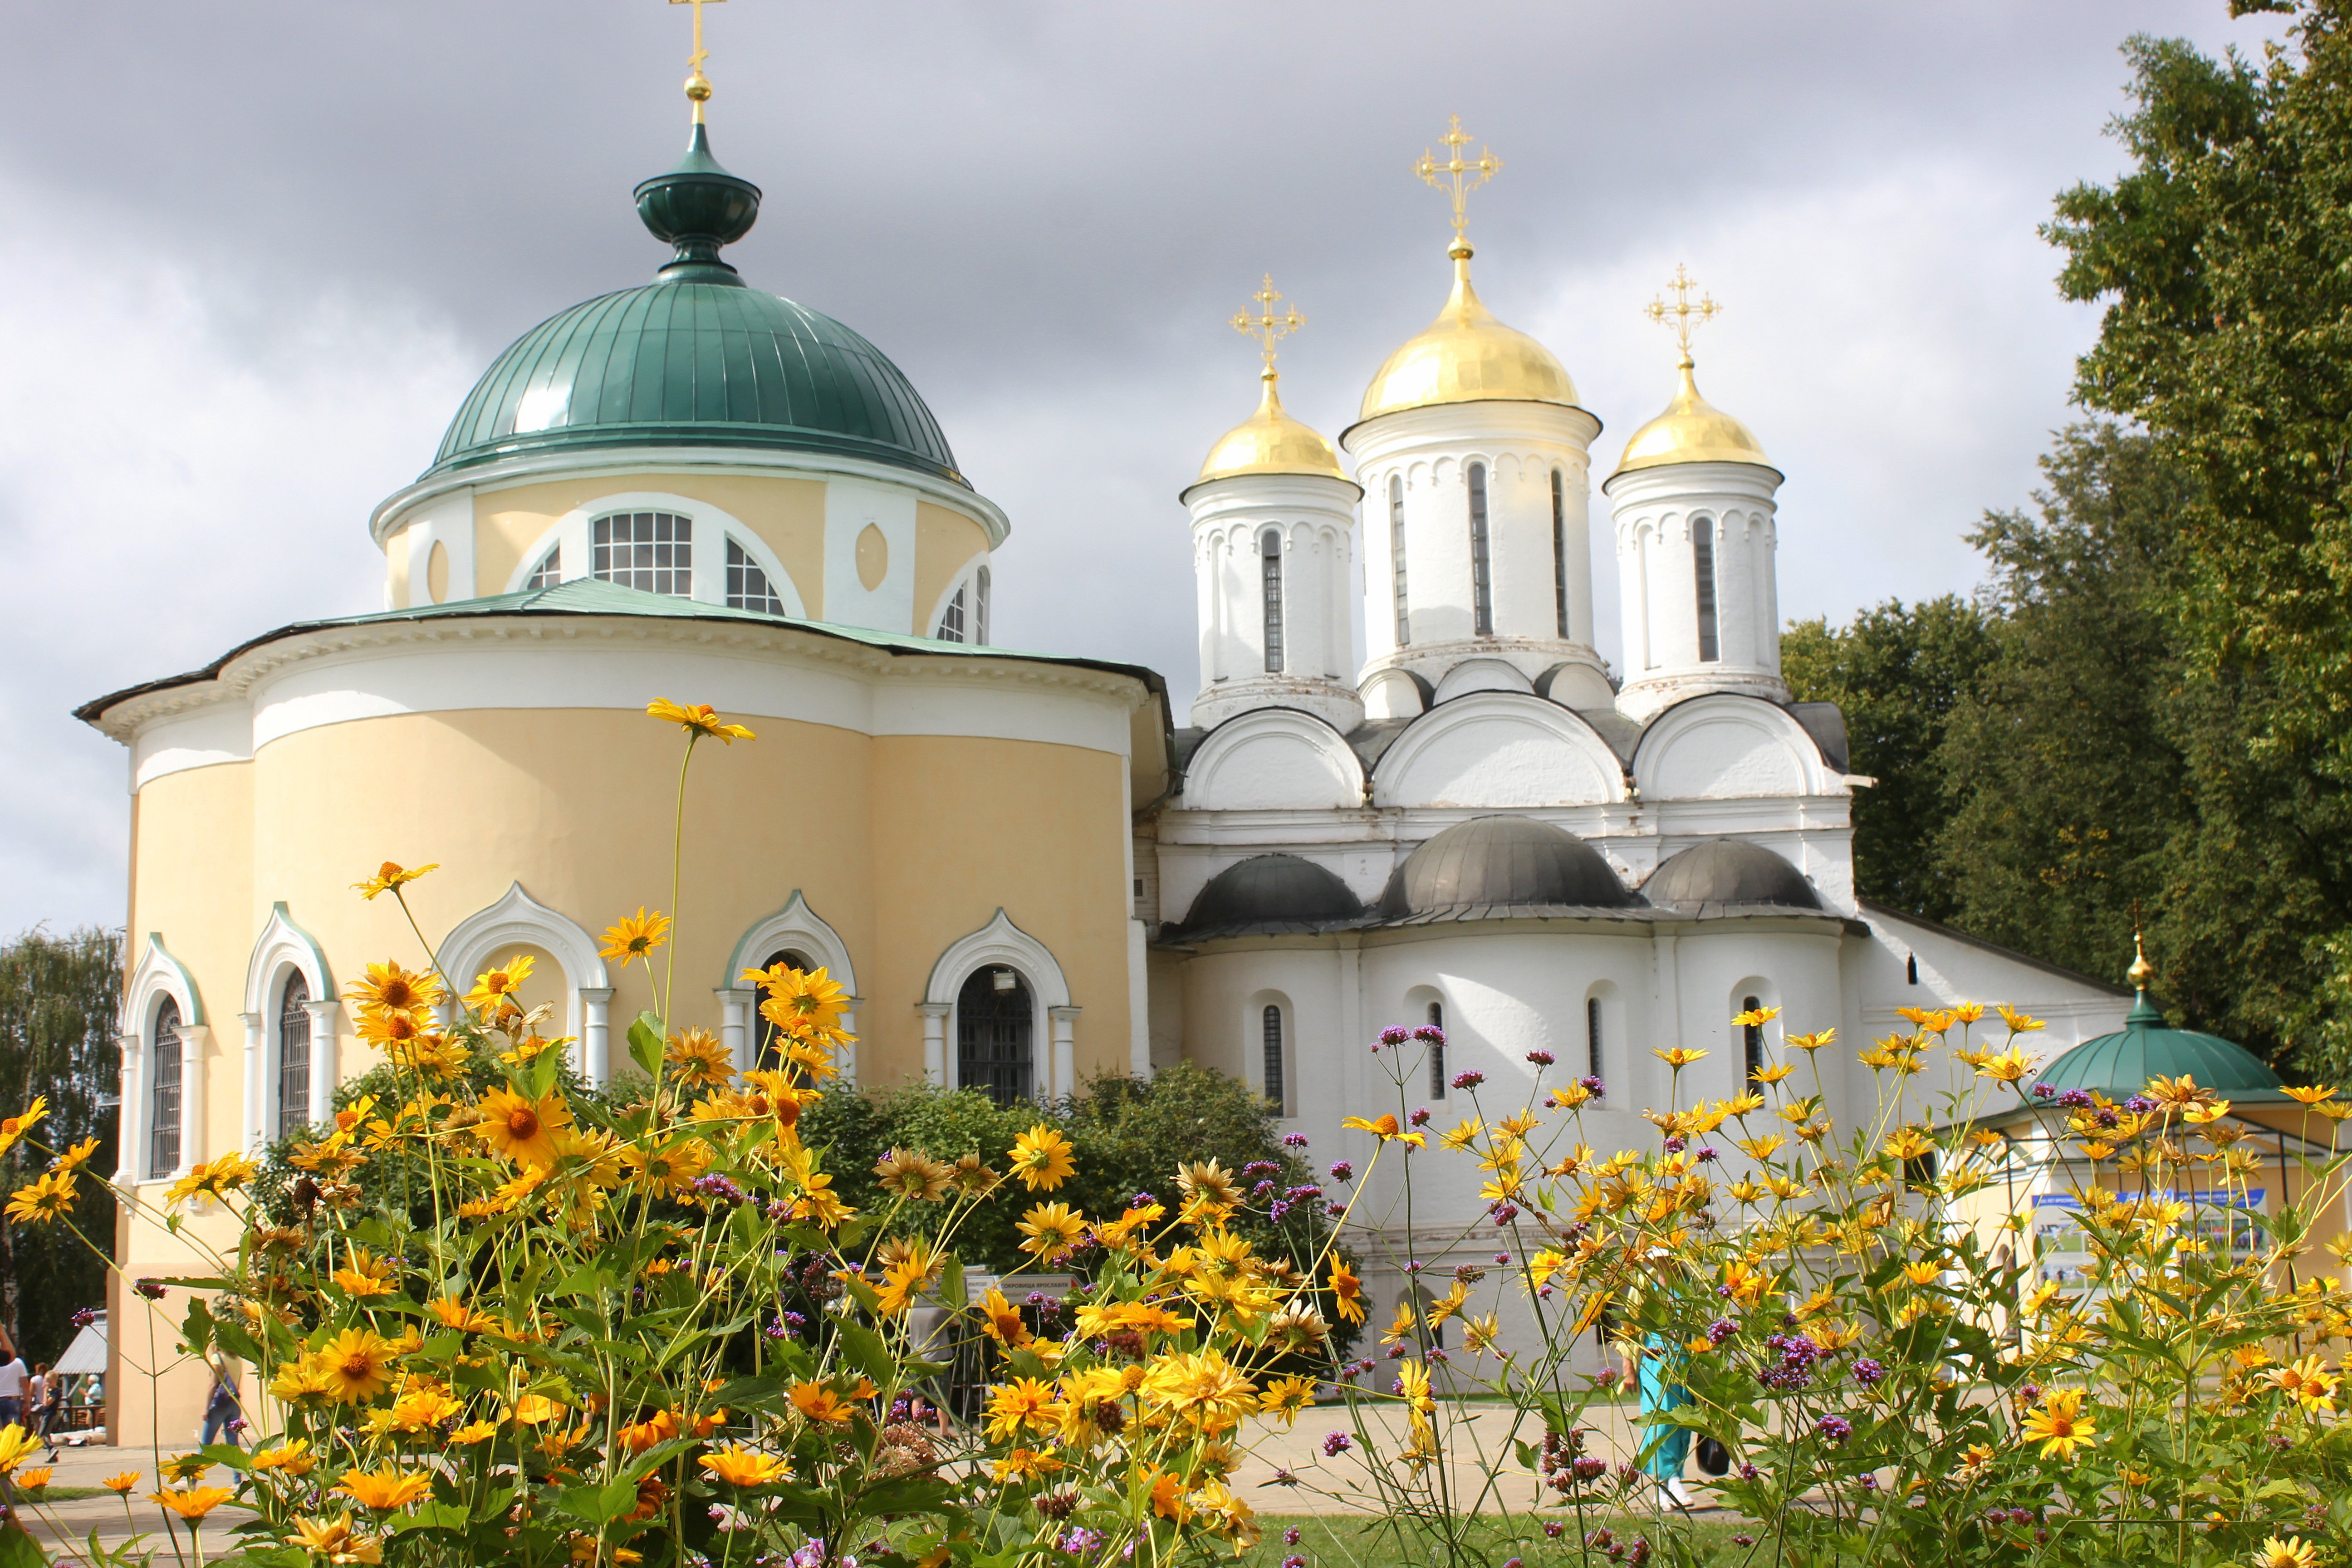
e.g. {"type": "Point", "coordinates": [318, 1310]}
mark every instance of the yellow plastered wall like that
{"type": "Point", "coordinates": [946, 543]}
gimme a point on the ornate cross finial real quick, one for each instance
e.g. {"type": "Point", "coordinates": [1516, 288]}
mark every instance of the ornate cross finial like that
{"type": "Point", "coordinates": [1682, 318]}
{"type": "Point", "coordinates": [1265, 326]}
{"type": "Point", "coordinates": [1458, 176]}
{"type": "Point", "coordinates": [697, 85]}
{"type": "Point", "coordinates": [2141, 971]}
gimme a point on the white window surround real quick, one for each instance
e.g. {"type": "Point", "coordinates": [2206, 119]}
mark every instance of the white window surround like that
{"type": "Point", "coordinates": [799, 929]}
{"type": "Point", "coordinates": [484, 937]}
{"type": "Point", "coordinates": [570, 537]}
{"type": "Point", "coordinates": [1767, 994]}
{"type": "Point", "coordinates": [159, 976]}
{"type": "Point", "coordinates": [1253, 1051]}
{"type": "Point", "coordinates": [1000, 942]}
{"type": "Point", "coordinates": [967, 580]}
{"type": "Point", "coordinates": [283, 949]}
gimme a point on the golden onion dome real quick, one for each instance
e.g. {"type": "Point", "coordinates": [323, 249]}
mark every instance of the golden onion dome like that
{"type": "Point", "coordinates": [1467, 356]}
{"type": "Point", "coordinates": [1271, 442]}
{"type": "Point", "coordinates": [1691, 430]}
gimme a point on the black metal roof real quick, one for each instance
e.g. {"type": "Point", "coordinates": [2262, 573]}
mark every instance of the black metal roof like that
{"type": "Point", "coordinates": [1269, 895]}
{"type": "Point", "coordinates": [1728, 871]}
{"type": "Point", "coordinates": [1502, 861]}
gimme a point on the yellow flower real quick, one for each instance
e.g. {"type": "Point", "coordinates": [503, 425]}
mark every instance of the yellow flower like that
{"type": "Point", "coordinates": [673, 1169]}
{"type": "Point", "coordinates": [391, 875]}
{"type": "Point", "coordinates": [1040, 1158]}
{"type": "Point", "coordinates": [43, 1198]}
{"type": "Point", "coordinates": [475, 1432]}
{"type": "Point", "coordinates": [821, 1405]}
{"type": "Point", "coordinates": [1347, 1292]}
{"type": "Point", "coordinates": [364, 1274]}
{"type": "Point", "coordinates": [191, 1503]}
{"type": "Point", "coordinates": [537, 1410]}
{"type": "Point", "coordinates": [738, 1466]}
{"type": "Point", "coordinates": [2295, 1552]}
{"type": "Point", "coordinates": [1286, 1397]}
{"type": "Point", "coordinates": [384, 1489]}
{"type": "Point", "coordinates": [1021, 1464]}
{"type": "Point", "coordinates": [1023, 1402]}
{"type": "Point", "coordinates": [911, 1174]}
{"type": "Point", "coordinates": [16, 1127]}
{"type": "Point", "coordinates": [354, 1366]}
{"type": "Point", "coordinates": [700, 1057]}
{"type": "Point", "coordinates": [1772, 1075]}
{"type": "Point", "coordinates": [293, 1457]}
{"type": "Point", "coordinates": [2306, 1382]}
{"type": "Point", "coordinates": [494, 989]}
{"type": "Point", "coordinates": [2007, 1068]}
{"type": "Point", "coordinates": [33, 1480]}
{"type": "Point", "coordinates": [1754, 1018]}
{"type": "Point", "coordinates": [1201, 1387]}
{"type": "Point", "coordinates": [806, 1001]}
{"type": "Point", "coordinates": [1907, 1143]}
{"type": "Point", "coordinates": [523, 1130]}
{"type": "Point", "coordinates": [2313, 1095]}
{"type": "Point", "coordinates": [1052, 1229]}
{"type": "Point", "coordinates": [1387, 1128]}
{"type": "Point", "coordinates": [337, 1541]}
{"type": "Point", "coordinates": [1208, 1185]}
{"type": "Point", "coordinates": [122, 1482]}
{"type": "Point", "coordinates": [2019, 1023]}
{"type": "Point", "coordinates": [905, 1275]}
{"type": "Point", "coordinates": [390, 986]}
{"type": "Point", "coordinates": [73, 1159]}
{"type": "Point", "coordinates": [1679, 1056]}
{"type": "Point", "coordinates": [1812, 1042]}
{"type": "Point", "coordinates": [697, 720]}
{"type": "Point", "coordinates": [634, 936]}
{"type": "Point", "coordinates": [455, 1314]}
{"type": "Point", "coordinates": [2059, 1425]}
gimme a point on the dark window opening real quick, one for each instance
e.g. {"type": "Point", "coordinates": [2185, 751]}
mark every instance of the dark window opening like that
{"type": "Point", "coordinates": [1396, 558]}
{"type": "Point", "coordinates": [163, 1125]}
{"type": "Point", "coordinates": [1560, 549]}
{"type": "Point", "coordinates": [1911, 969]}
{"type": "Point", "coordinates": [1482, 570]}
{"type": "Point", "coordinates": [1277, 1084]}
{"type": "Point", "coordinates": [767, 1040]}
{"type": "Point", "coordinates": [1437, 1052]}
{"type": "Point", "coordinates": [1269, 547]}
{"type": "Point", "coordinates": [1703, 555]}
{"type": "Point", "coordinates": [995, 1023]}
{"type": "Point", "coordinates": [747, 587]}
{"type": "Point", "coordinates": [1592, 1035]}
{"type": "Point", "coordinates": [650, 550]}
{"type": "Point", "coordinates": [1752, 1039]}
{"type": "Point", "coordinates": [294, 1057]}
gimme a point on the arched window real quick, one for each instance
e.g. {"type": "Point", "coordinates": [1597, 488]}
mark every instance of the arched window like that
{"type": "Point", "coordinates": [1396, 557]}
{"type": "Point", "coordinates": [1752, 1039]}
{"type": "Point", "coordinates": [1560, 550]}
{"type": "Point", "coordinates": [1592, 1037]}
{"type": "Point", "coordinates": [1437, 1052]}
{"type": "Point", "coordinates": [995, 1019]}
{"type": "Point", "coordinates": [1278, 1086]}
{"type": "Point", "coordinates": [1703, 561]}
{"type": "Point", "coordinates": [747, 587]}
{"type": "Point", "coordinates": [767, 1052]}
{"type": "Point", "coordinates": [951, 626]}
{"type": "Point", "coordinates": [294, 1055]}
{"type": "Point", "coordinates": [980, 608]}
{"type": "Point", "coordinates": [1482, 568]}
{"type": "Point", "coordinates": [651, 550]}
{"type": "Point", "coordinates": [163, 1106]}
{"type": "Point", "coordinates": [548, 573]}
{"type": "Point", "coordinates": [1269, 550]}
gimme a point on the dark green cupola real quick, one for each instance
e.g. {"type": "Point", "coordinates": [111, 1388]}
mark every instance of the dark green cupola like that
{"type": "Point", "coordinates": [696, 358]}
{"type": "Point", "coordinates": [2120, 1065]}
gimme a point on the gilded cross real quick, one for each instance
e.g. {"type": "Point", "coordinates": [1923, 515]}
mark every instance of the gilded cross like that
{"type": "Point", "coordinates": [1682, 317]}
{"type": "Point", "coordinates": [697, 85]}
{"type": "Point", "coordinates": [1266, 326]}
{"type": "Point", "coordinates": [1457, 176]}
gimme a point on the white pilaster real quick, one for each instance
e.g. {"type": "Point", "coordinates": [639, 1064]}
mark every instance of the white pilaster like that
{"type": "Point", "coordinates": [737, 1005]}
{"type": "Point", "coordinates": [195, 1078]}
{"type": "Point", "coordinates": [1066, 1050]}
{"type": "Point", "coordinates": [326, 1058]}
{"type": "Point", "coordinates": [595, 1034]}
{"type": "Point", "coordinates": [131, 1125]}
{"type": "Point", "coordinates": [935, 1042]}
{"type": "Point", "coordinates": [257, 1082]}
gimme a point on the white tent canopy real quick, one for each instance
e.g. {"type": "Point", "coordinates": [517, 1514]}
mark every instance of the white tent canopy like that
{"type": "Point", "coordinates": [87, 1354]}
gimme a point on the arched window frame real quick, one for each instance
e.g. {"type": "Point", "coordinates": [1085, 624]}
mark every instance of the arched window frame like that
{"type": "Point", "coordinates": [950, 623]}
{"type": "Point", "coordinates": [967, 598]}
{"type": "Point", "coordinates": [1269, 1054]}
{"type": "Point", "coordinates": [1269, 554]}
{"type": "Point", "coordinates": [981, 587]}
{"type": "Point", "coordinates": [1708, 606]}
{"type": "Point", "coordinates": [283, 949]}
{"type": "Point", "coordinates": [1482, 562]}
{"type": "Point", "coordinates": [568, 542]}
{"type": "Point", "coordinates": [1396, 559]}
{"type": "Point", "coordinates": [289, 1069]}
{"type": "Point", "coordinates": [1560, 551]}
{"type": "Point", "coordinates": [159, 977]}
{"type": "Point", "coordinates": [748, 585]}
{"type": "Point", "coordinates": [1751, 1045]}
{"type": "Point", "coordinates": [794, 927]}
{"type": "Point", "coordinates": [517, 919]}
{"type": "Point", "coordinates": [548, 572]}
{"type": "Point", "coordinates": [1001, 942]}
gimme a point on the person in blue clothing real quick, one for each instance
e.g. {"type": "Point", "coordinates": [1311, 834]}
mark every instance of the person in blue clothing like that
{"type": "Point", "coordinates": [1661, 1390]}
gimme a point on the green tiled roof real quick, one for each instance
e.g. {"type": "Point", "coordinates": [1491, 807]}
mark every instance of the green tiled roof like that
{"type": "Point", "coordinates": [2120, 1064]}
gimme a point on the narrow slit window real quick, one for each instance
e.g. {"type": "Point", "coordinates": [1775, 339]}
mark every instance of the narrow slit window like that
{"type": "Point", "coordinates": [1277, 1097]}
{"type": "Point", "coordinates": [1482, 568]}
{"type": "Point", "coordinates": [1560, 550]}
{"type": "Point", "coordinates": [163, 1103]}
{"type": "Point", "coordinates": [1269, 546]}
{"type": "Point", "coordinates": [548, 573]}
{"type": "Point", "coordinates": [1437, 1051]}
{"type": "Point", "coordinates": [980, 608]}
{"type": "Point", "coordinates": [1752, 1039]}
{"type": "Point", "coordinates": [652, 551]}
{"type": "Point", "coordinates": [1592, 1035]}
{"type": "Point", "coordinates": [1703, 558]}
{"type": "Point", "coordinates": [747, 587]}
{"type": "Point", "coordinates": [1396, 559]}
{"type": "Point", "coordinates": [294, 1055]}
{"type": "Point", "coordinates": [950, 627]}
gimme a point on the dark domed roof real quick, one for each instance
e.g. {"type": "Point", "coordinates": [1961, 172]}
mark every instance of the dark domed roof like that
{"type": "Point", "coordinates": [1501, 860]}
{"type": "Point", "coordinates": [1269, 893]}
{"type": "Point", "coordinates": [696, 358]}
{"type": "Point", "coordinates": [1728, 871]}
{"type": "Point", "coordinates": [2119, 1065]}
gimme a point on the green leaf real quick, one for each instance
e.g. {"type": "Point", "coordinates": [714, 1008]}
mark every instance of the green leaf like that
{"type": "Point", "coordinates": [435, 1516]}
{"type": "Point", "coordinates": [19, 1549]}
{"type": "Point", "coordinates": [597, 1505]}
{"type": "Point", "coordinates": [867, 1351]}
{"type": "Point", "coordinates": [645, 1044]}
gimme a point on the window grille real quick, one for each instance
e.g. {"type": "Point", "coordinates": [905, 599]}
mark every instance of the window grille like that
{"type": "Point", "coordinates": [980, 609]}
{"type": "Point", "coordinates": [1482, 569]}
{"type": "Point", "coordinates": [1437, 1052]}
{"type": "Point", "coordinates": [1560, 550]}
{"type": "Point", "coordinates": [1396, 558]}
{"type": "Point", "coordinates": [1269, 546]}
{"type": "Point", "coordinates": [950, 627]}
{"type": "Point", "coordinates": [1752, 1039]}
{"type": "Point", "coordinates": [1592, 1037]}
{"type": "Point", "coordinates": [649, 551]}
{"type": "Point", "coordinates": [163, 1116]}
{"type": "Point", "coordinates": [294, 1057]}
{"type": "Point", "coordinates": [747, 587]}
{"type": "Point", "coordinates": [994, 1021]}
{"type": "Point", "coordinates": [1703, 553]}
{"type": "Point", "coordinates": [1277, 1085]}
{"type": "Point", "coordinates": [548, 573]}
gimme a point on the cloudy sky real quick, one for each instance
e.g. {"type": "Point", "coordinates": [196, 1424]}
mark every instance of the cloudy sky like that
{"type": "Point", "coordinates": [257, 253]}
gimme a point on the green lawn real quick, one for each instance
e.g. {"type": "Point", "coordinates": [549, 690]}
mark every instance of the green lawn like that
{"type": "Point", "coordinates": [1340, 1541]}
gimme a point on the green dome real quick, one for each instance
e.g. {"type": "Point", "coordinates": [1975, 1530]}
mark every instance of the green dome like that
{"type": "Point", "coordinates": [696, 359]}
{"type": "Point", "coordinates": [2119, 1065]}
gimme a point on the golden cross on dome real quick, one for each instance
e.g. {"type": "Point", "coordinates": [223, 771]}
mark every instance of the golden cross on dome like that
{"type": "Point", "coordinates": [697, 85]}
{"type": "Point", "coordinates": [1458, 176]}
{"type": "Point", "coordinates": [1265, 326]}
{"type": "Point", "coordinates": [1682, 318]}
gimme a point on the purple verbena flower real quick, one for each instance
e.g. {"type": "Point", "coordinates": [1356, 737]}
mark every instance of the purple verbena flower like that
{"type": "Point", "coordinates": [1430, 1035]}
{"type": "Point", "coordinates": [1867, 1372]}
{"type": "Point", "coordinates": [1420, 1117]}
{"type": "Point", "coordinates": [1293, 1139]}
{"type": "Point", "coordinates": [1834, 1428]}
{"type": "Point", "coordinates": [1335, 1444]}
{"type": "Point", "coordinates": [1342, 1170]}
{"type": "Point", "coordinates": [1592, 1083]}
{"type": "Point", "coordinates": [1721, 1330]}
{"type": "Point", "coordinates": [1290, 1535]}
{"type": "Point", "coordinates": [1470, 1081]}
{"type": "Point", "coordinates": [1541, 1058]}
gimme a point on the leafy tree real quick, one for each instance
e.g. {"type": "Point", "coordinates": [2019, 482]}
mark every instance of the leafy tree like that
{"type": "Point", "coordinates": [59, 1000]}
{"type": "Point", "coordinates": [1897, 671]}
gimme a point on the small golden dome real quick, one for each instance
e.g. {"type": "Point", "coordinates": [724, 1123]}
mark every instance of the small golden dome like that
{"type": "Point", "coordinates": [1271, 442]}
{"type": "Point", "coordinates": [1467, 356]}
{"type": "Point", "coordinates": [1691, 430]}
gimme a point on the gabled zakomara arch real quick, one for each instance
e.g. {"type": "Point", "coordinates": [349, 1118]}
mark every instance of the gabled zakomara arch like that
{"type": "Point", "coordinates": [1498, 749]}
{"type": "Point", "coordinates": [795, 928]}
{"type": "Point", "coordinates": [1000, 944]}
{"type": "Point", "coordinates": [1274, 759]}
{"type": "Point", "coordinates": [1725, 745]}
{"type": "Point", "coordinates": [482, 938]}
